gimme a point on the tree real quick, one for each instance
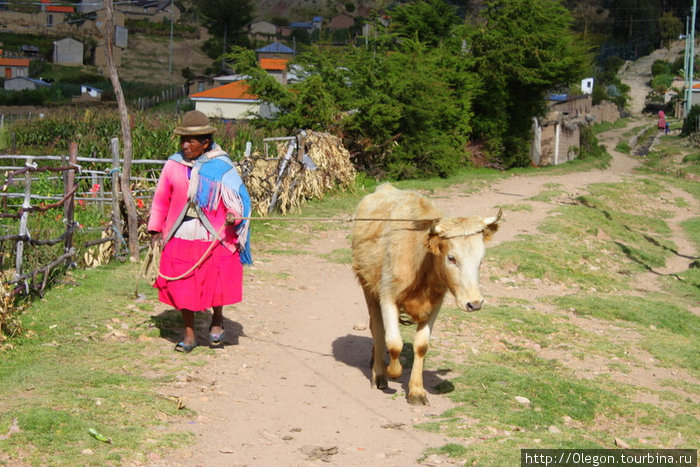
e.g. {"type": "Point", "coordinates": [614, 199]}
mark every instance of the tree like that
{"type": "Point", "coordinates": [404, 112]}
{"type": "Point", "coordinates": [132, 214]}
{"type": "Point", "coordinates": [227, 19]}
{"type": "Point", "coordinates": [523, 49]}
{"type": "Point", "coordinates": [669, 28]}
{"type": "Point", "coordinates": [635, 24]}
{"type": "Point", "coordinates": [431, 21]}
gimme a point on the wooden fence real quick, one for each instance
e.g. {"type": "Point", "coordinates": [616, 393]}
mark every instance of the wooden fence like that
{"type": "Point", "coordinates": [166, 95]}
{"type": "Point", "coordinates": [71, 170]}
{"type": "Point", "coordinates": [102, 175]}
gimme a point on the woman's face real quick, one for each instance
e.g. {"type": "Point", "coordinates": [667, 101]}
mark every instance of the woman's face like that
{"type": "Point", "coordinates": [191, 147]}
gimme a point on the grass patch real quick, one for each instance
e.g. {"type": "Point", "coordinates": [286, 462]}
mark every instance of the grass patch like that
{"type": "Point", "coordinates": [547, 195]}
{"type": "Point", "coordinates": [607, 126]}
{"type": "Point", "coordinates": [340, 256]}
{"type": "Point", "coordinates": [641, 310]}
{"type": "Point", "coordinates": [692, 230]}
{"type": "Point", "coordinates": [623, 147]}
{"type": "Point", "coordinates": [624, 221]}
{"type": "Point", "coordinates": [517, 207]}
{"type": "Point", "coordinates": [78, 367]}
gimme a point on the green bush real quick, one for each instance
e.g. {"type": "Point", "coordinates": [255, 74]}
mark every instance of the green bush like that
{"type": "Point", "coordinates": [613, 64]}
{"type": "Point", "coordinates": [660, 67]}
{"type": "Point", "coordinates": [25, 97]}
{"type": "Point", "coordinates": [661, 82]}
{"type": "Point", "coordinates": [590, 149]}
{"type": "Point", "coordinates": [690, 124]}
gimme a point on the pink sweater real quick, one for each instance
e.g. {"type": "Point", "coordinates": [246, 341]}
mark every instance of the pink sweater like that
{"type": "Point", "coordinates": [170, 199]}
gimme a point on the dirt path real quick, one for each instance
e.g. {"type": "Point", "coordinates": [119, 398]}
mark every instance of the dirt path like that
{"type": "Point", "coordinates": [294, 390]}
{"type": "Point", "coordinates": [637, 74]}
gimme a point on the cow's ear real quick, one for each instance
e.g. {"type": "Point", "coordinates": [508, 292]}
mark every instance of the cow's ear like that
{"type": "Point", "coordinates": [489, 230]}
{"type": "Point", "coordinates": [433, 242]}
{"type": "Point", "coordinates": [492, 225]}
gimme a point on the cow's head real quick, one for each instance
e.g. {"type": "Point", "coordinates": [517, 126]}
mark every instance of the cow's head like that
{"type": "Point", "coordinates": [458, 244]}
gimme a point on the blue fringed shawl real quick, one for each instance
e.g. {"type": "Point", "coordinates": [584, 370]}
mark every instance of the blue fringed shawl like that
{"type": "Point", "coordinates": [214, 178]}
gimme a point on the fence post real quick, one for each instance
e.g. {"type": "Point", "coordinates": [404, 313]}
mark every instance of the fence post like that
{"type": "Point", "coordinates": [69, 206]}
{"type": "Point", "coordinates": [116, 215]}
{"type": "Point", "coordinates": [23, 220]}
{"type": "Point", "coordinates": [285, 163]}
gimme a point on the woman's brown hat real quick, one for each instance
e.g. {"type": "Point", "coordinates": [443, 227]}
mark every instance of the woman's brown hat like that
{"type": "Point", "coordinates": [195, 123]}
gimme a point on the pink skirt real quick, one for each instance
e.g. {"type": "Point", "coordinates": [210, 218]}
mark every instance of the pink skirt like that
{"type": "Point", "coordinates": [217, 281]}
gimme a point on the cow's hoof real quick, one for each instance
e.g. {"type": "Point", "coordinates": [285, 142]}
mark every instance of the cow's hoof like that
{"type": "Point", "coordinates": [418, 399]}
{"type": "Point", "coordinates": [380, 382]}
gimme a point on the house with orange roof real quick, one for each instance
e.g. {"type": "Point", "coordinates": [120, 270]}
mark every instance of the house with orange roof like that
{"type": "Point", "coordinates": [276, 67]}
{"type": "Point", "coordinates": [232, 101]}
{"type": "Point", "coordinates": [14, 67]}
{"type": "Point", "coordinates": [55, 14]}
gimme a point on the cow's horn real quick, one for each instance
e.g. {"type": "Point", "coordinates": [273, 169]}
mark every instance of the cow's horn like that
{"type": "Point", "coordinates": [493, 220]}
{"type": "Point", "coordinates": [436, 229]}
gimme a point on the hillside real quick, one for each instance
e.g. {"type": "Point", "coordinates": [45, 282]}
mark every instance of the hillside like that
{"type": "Point", "coordinates": [147, 58]}
{"type": "Point", "coordinates": [304, 10]}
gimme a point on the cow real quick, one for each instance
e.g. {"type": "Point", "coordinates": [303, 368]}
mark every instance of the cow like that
{"type": "Point", "coordinates": [406, 255]}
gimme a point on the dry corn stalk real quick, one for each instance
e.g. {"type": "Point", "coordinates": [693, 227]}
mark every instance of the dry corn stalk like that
{"type": "Point", "coordinates": [9, 320]}
{"type": "Point", "coordinates": [100, 254]}
{"type": "Point", "coordinates": [298, 182]}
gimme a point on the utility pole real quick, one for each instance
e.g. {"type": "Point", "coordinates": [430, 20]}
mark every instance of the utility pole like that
{"type": "Point", "coordinates": [690, 60]}
{"type": "Point", "coordinates": [172, 19]}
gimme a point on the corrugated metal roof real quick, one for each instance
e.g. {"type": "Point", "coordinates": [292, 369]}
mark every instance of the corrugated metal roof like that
{"type": "Point", "coordinates": [60, 9]}
{"type": "Point", "coordinates": [235, 90]}
{"type": "Point", "coordinates": [301, 25]}
{"type": "Point", "coordinates": [14, 62]}
{"type": "Point", "coordinates": [273, 63]}
{"type": "Point", "coordinates": [275, 47]}
{"type": "Point", "coordinates": [38, 82]}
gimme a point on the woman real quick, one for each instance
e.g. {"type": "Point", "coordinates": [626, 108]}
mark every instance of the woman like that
{"type": "Point", "coordinates": [193, 218]}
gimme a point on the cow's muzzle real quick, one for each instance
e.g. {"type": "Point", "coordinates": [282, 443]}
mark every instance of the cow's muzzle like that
{"type": "Point", "coordinates": [475, 305]}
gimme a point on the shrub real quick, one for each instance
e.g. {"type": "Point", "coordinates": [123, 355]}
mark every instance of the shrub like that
{"type": "Point", "coordinates": [660, 67]}
{"type": "Point", "coordinates": [590, 149]}
{"type": "Point", "coordinates": [613, 64]}
{"type": "Point", "coordinates": [660, 83]}
{"type": "Point", "coordinates": [690, 124]}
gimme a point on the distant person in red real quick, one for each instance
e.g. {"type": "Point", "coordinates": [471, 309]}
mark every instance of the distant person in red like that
{"type": "Point", "coordinates": [662, 120]}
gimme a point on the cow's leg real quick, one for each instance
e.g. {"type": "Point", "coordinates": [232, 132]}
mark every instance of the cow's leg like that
{"type": "Point", "coordinates": [392, 336]}
{"type": "Point", "coordinates": [377, 327]}
{"type": "Point", "coordinates": [421, 342]}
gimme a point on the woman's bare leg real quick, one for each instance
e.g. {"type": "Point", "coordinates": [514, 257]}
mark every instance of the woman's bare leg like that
{"type": "Point", "coordinates": [188, 320]}
{"type": "Point", "coordinates": [217, 320]}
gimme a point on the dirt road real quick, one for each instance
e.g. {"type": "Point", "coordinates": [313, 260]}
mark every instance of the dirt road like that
{"type": "Point", "coordinates": [293, 388]}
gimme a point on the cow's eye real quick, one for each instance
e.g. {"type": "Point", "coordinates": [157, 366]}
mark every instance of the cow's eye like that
{"type": "Point", "coordinates": [451, 259]}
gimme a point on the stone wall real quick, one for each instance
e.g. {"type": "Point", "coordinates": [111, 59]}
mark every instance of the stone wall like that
{"type": "Point", "coordinates": [569, 142]}
{"type": "Point", "coordinates": [606, 111]}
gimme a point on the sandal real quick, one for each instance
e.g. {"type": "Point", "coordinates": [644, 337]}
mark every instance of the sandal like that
{"type": "Point", "coordinates": [217, 340]}
{"type": "Point", "coordinates": [185, 348]}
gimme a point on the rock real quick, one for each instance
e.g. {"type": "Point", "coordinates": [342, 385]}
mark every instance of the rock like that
{"type": "Point", "coordinates": [523, 400]}
{"type": "Point", "coordinates": [621, 444]}
{"type": "Point", "coordinates": [359, 327]}
{"type": "Point", "coordinates": [554, 430]}
{"type": "Point", "coordinates": [319, 453]}
{"type": "Point", "coordinates": [87, 452]}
